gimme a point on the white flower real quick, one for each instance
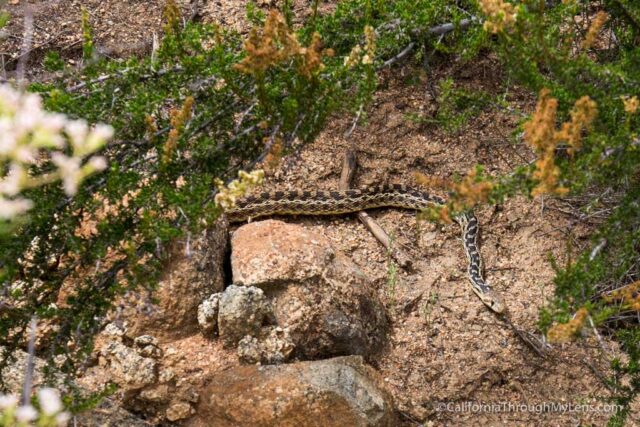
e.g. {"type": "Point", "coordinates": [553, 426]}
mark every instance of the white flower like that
{"type": "Point", "coordinates": [9, 100]}
{"type": "Point", "coordinates": [26, 129]}
{"type": "Point", "coordinates": [12, 208]}
{"type": "Point", "coordinates": [47, 133]}
{"type": "Point", "coordinates": [49, 400]}
{"type": "Point", "coordinates": [96, 164]}
{"type": "Point", "coordinates": [97, 138]}
{"type": "Point", "coordinates": [7, 400]}
{"type": "Point", "coordinates": [63, 418]}
{"type": "Point", "coordinates": [69, 168]}
{"type": "Point", "coordinates": [12, 184]}
{"type": "Point", "coordinates": [77, 131]}
{"type": "Point", "coordinates": [7, 136]}
{"type": "Point", "coordinates": [26, 413]}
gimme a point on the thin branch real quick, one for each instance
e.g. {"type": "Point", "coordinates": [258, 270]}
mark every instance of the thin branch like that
{"type": "Point", "coordinates": [448, 27]}
{"type": "Point", "coordinates": [438, 30]}
{"type": "Point", "coordinates": [348, 172]}
{"type": "Point", "coordinates": [355, 122]}
{"type": "Point", "coordinates": [26, 45]}
{"type": "Point", "coordinates": [399, 57]}
{"type": "Point", "coordinates": [28, 375]}
{"type": "Point", "coordinates": [101, 79]}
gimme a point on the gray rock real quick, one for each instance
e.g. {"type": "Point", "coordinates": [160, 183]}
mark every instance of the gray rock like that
{"type": "Point", "coordinates": [208, 314]}
{"type": "Point", "coordinates": [13, 375]}
{"type": "Point", "coordinates": [242, 311]}
{"type": "Point", "coordinates": [147, 346]}
{"type": "Point", "coordinates": [343, 391]}
{"type": "Point", "coordinates": [179, 411]}
{"type": "Point", "coordinates": [272, 347]}
{"type": "Point", "coordinates": [128, 368]}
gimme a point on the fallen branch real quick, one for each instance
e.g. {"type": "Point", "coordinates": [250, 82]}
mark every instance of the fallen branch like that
{"type": "Point", "coordinates": [400, 56]}
{"type": "Point", "coordinates": [448, 27]}
{"type": "Point", "coordinates": [438, 30]}
{"type": "Point", "coordinates": [106, 77]}
{"type": "Point", "coordinates": [348, 171]}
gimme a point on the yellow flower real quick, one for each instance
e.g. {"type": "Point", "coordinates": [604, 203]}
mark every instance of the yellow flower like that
{"type": "Point", "coordinates": [565, 332]}
{"type": "Point", "coordinates": [227, 196]}
{"type": "Point", "coordinates": [631, 104]}
{"type": "Point", "coordinates": [594, 29]}
{"type": "Point", "coordinates": [276, 43]}
{"type": "Point", "coordinates": [500, 15]}
{"type": "Point", "coordinates": [541, 134]}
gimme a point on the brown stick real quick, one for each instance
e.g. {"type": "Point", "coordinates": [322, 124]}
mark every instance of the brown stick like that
{"type": "Point", "coordinates": [346, 177]}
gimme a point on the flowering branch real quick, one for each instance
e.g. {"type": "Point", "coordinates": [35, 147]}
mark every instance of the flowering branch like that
{"type": "Point", "coordinates": [30, 136]}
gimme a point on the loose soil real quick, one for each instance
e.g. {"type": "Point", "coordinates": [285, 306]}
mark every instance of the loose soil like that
{"type": "Point", "coordinates": [445, 345]}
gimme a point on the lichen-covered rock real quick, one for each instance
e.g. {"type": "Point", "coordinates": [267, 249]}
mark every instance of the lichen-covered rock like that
{"type": "Point", "coordinates": [208, 314]}
{"type": "Point", "coordinates": [322, 297]}
{"type": "Point", "coordinates": [128, 368]}
{"type": "Point", "coordinates": [343, 391]}
{"type": "Point", "coordinates": [109, 413]}
{"type": "Point", "coordinates": [242, 311]}
{"type": "Point", "coordinates": [155, 394]}
{"type": "Point", "coordinates": [273, 346]}
{"type": "Point", "coordinates": [179, 411]}
{"type": "Point", "coordinates": [114, 331]}
{"type": "Point", "coordinates": [13, 374]}
{"type": "Point", "coordinates": [148, 346]}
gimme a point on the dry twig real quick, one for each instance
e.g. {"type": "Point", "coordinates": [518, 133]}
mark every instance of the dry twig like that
{"type": "Point", "coordinates": [346, 177]}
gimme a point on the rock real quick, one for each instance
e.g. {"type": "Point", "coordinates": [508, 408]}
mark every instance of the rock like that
{"type": "Point", "coordinates": [109, 413]}
{"type": "Point", "coordinates": [158, 393]}
{"type": "Point", "coordinates": [208, 314]}
{"type": "Point", "coordinates": [343, 391]}
{"type": "Point", "coordinates": [166, 375]}
{"type": "Point", "coordinates": [114, 331]}
{"type": "Point", "coordinates": [268, 252]}
{"type": "Point", "coordinates": [274, 348]}
{"type": "Point", "coordinates": [179, 411]}
{"type": "Point", "coordinates": [242, 311]}
{"type": "Point", "coordinates": [13, 374]}
{"type": "Point", "coordinates": [148, 346]}
{"type": "Point", "coordinates": [145, 340]}
{"type": "Point", "coordinates": [317, 293]}
{"type": "Point", "coordinates": [188, 278]}
{"type": "Point", "coordinates": [129, 369]}
{"type": "Point", "coordinates": [250, 350]}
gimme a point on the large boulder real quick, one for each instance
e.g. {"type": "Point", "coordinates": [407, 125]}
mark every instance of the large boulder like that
{"type": "Point", "coordinates": [343, 391]}
{"type": "Point", "coordinates": [193, 273]}
{"type": "Point", "coordinates": [321, 297]}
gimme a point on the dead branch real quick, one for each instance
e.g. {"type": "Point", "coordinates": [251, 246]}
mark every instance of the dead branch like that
{"type": "Point", "coordinates": [106, 77]}
{"type": "Point", "coordinates": [534, 343]}
{"type": "Point", "coordinates": [400, 56]}
{"type": "Point", "coordinates": [348, 171]}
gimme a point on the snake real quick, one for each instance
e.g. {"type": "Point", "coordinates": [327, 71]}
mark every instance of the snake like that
{"type": "Point", "coordinates": [320, 202]}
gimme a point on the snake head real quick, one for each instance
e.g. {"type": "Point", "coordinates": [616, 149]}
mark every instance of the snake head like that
{"type": "Point", "coordinates": [493, 301]}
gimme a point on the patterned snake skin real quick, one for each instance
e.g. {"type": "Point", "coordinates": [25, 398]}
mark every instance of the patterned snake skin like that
{"type": "Point", "coordinates": [347, 201]}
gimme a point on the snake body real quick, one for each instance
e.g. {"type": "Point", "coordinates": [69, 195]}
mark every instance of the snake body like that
{"type": "Point", "coordinates": [346, 201]}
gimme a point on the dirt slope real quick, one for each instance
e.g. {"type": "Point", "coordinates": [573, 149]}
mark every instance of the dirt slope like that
{"type": "Point", "coordinates": [445, 345]}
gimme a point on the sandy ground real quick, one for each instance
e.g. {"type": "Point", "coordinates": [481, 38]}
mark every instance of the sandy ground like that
{"type": "Point", "coordinates": [446, 348]}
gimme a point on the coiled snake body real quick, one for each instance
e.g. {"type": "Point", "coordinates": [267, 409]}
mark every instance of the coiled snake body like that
{"type": "Point", "coordinates": [347, 201]}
